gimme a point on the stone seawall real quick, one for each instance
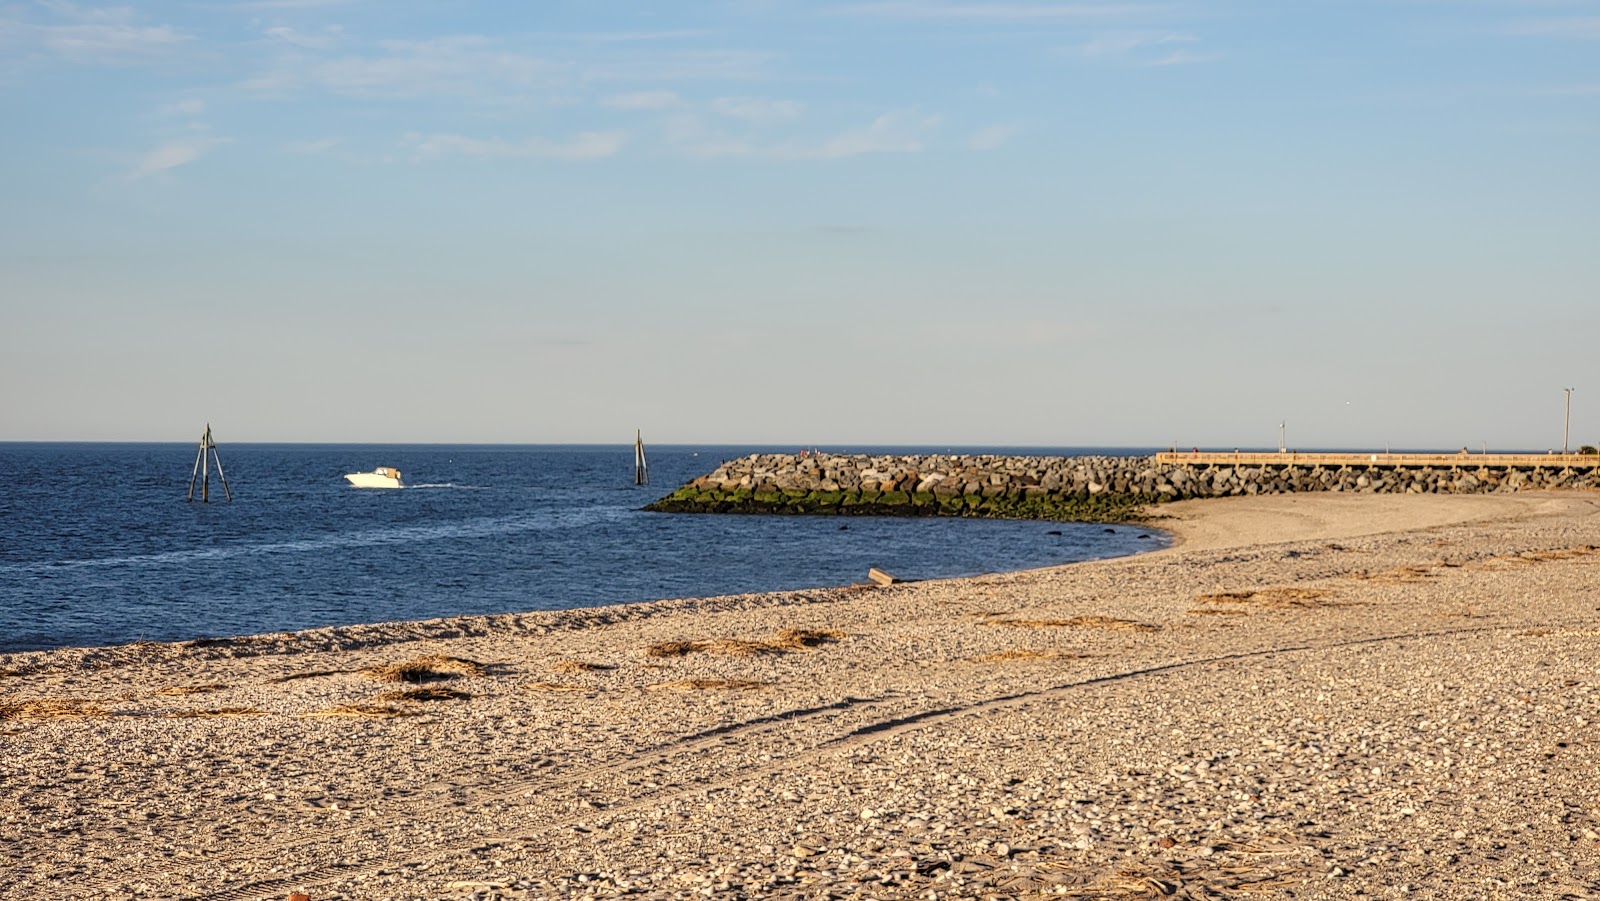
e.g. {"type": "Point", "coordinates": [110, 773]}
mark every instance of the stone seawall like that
{"type": "Point", "coordinates": [1099, 489]}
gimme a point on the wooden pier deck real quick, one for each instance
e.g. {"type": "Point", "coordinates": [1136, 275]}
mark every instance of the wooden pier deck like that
{"type": "Point", "coordinates": [1384, 460]}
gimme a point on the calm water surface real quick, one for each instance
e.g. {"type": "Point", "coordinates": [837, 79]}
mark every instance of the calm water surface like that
{"type": "Point", "coordinates": [97, 545]}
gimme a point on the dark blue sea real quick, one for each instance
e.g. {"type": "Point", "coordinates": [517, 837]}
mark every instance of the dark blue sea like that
{"type": "Point", "coordinates": [98, 545]}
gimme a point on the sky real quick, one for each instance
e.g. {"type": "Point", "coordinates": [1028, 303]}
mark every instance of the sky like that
{"type": "Point", "coordinates": [858, 222]}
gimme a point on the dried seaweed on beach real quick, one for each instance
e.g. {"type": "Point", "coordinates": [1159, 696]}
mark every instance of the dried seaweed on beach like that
{"type": "Point", "coordinates": [1077, 622]}
{"type": "Point", "coordinates": [1131, 883]}
{"type": "Point", "coordinates": [1398, 574]}
{"type": "Point", "coordinates": [427, 693]}
{"type": "Point", "coordinates": [1016, 654]}
{"type": "Point", "coordinates": [1571, 553]}
{"type": "Point", "coordinates": [50, 709]}
{"type": "Point", "coordinates": [739, 647]}
{"type": "Point", "coordinates": [432, 668]}
{"type": "Point", "coordinates": [178, 690]}
{"type": "Point", "coordinates": [1272, 598]}
{"type": "Point", "coordinates": [214, 714]}
{"type": "Point", "coordinates": [795, 639]}
{"type": "Point", "coordinates": [781, 642]}
{"type": "Point", "coordinates": [372, 711]}
{"type": "Point", "coordinates": [707, 684]}
{"type": "Point", "coordinates": [674, 648]}
{"type": "Point", "coordinates": [316, 674]}
{"type": "Point", "coordinates": [579, 666]}
{"type": "Point", "coordinates": [555, 687]}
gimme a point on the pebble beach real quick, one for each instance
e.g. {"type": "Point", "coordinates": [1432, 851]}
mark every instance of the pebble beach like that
{"type": "Point", "coordinates": [1308, 696]}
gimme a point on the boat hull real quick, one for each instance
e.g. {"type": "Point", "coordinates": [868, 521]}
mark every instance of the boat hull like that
{"type": "Point", "coordinates": [373, 480]}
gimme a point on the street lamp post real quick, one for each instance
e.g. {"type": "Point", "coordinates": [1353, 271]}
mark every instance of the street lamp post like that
{"type": "Point", "coordinates": [1566, 421]}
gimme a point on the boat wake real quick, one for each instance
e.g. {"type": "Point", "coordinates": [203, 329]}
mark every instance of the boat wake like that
{"type": "Point", "coordinates": [450, 485]}
{"type": "Point", "coordinates": [490, 527]}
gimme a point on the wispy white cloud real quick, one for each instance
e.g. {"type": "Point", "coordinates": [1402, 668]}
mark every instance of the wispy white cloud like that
{"type": "Point", "coordinates": [313, 148]}
{"type": "Point", "coordinates": [644, 100]}
{"type": "Point", "coordinates": [112, 36]}
{"type": "Point", "coordinates": [1141, 48]}
{"type": "Point", "coordinates": [757, 109]}
{"type": "Point", "coordinates": [292, 4]}
{"type": "Point", "coordinates": [173, 154]}
{"type": "Point", "coordinates": [899, 132]}
{"type": "Point", "coordinates": [468, 65]}
{"type": "Point", "coordinates": [1571, 90]}
{"type": "Point", "coordinates": [992, 138]}
{"type": "Point", "coordinates": [1121, 44]}
{"type": "Point", "coordinates": [319, 40]}
{"type": "Point", "coordinates": [586, 146]}
{"type": "Point", "coordinates": [676, 65]}
{"type": "Point", "coordinates": [192, 106]}
{"type": "Point", "coordinates": [893, 132]}
{"type": "Point", "coordinates": [630, 37]}
{"type": "Point", "coordinates": [1579, 27]}
{"type": "Point", "coordinates": [1181, 58]}
{"type": "Point", "coordinates": [933, 10]}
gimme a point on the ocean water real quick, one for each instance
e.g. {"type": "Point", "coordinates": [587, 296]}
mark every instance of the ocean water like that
{"type": "Point", "coordinates": [98, 545]}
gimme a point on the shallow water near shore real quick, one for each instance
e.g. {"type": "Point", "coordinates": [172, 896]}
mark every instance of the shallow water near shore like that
{"type": "Point", "coordinates": [97, 545]}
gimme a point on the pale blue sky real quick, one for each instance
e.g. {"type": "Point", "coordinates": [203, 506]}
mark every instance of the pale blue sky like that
{"type": "Point", "coordinates": [1030, 222]}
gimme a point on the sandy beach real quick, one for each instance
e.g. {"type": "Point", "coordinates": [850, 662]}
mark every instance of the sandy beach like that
{"type": "Point", "coordinates": [1307, 696]}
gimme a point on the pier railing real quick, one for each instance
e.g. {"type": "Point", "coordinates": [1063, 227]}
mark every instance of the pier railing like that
{"type": "Point", "coordinates": [1368, 460]}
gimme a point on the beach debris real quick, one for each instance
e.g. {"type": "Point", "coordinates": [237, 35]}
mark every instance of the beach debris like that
{"type": "Point", "coordinates": [50, 709]}
{"type": "Point", "coordinates": [215, 714]}
{"type": "Point", "coordinates": [426, 693]}
{"type": "Point", "coordinates": [708, 685]}
{"type": "Point", "coordinates": [783, 641]}
{"type": "Point", "coordinates": [579, 666]}
{"type": "Point", "coordinates": [555, 686]}
{"type": "Point", "coordinates": [299, 896]}
{"type": "Point", "coordinates": [1076, 622]}
{"type": "Point", "coordinates": [880, 577]}
{"type": "Point", "coordinates": [190, 689]}
{"type": "Point", "coordinates": [432, 668]}
{"type": "Point", "coordinates": [794, 639]}
{"type": "Point", "coordinates": [1273, 598]}
{"type": "Point", "coordinates": [675, 648]}
{"type": "Point", "coordinates": [374, 711]}
{"type": "Point", "coordinates": [316, 674]}
{"type": "Point", "coordinates": [1027, 654]}
{"type": "Point", "coordinates": [1398, 574]}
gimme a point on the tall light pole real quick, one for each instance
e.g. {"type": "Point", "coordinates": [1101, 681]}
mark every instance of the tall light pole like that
{"type": "Point", "coordinates": [1566, 421]}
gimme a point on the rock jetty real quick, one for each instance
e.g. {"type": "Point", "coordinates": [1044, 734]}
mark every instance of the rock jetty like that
{"type": "Point", "coordinates": [1098, 489]}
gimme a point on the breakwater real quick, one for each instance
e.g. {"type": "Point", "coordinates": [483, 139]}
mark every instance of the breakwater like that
{"type": "Point", "coordinates": [1100, 489]}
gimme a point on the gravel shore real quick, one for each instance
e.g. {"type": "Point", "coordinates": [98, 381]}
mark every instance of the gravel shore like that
{"type": "Point", "coordinates": [1308, 696]}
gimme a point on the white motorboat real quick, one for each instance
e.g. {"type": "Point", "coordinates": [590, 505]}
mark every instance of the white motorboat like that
{"type": "Point", "coordinates": [382, 477]}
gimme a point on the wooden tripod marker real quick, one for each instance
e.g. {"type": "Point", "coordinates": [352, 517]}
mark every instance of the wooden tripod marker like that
{"type": "Point", "coordinates": [202, 470]}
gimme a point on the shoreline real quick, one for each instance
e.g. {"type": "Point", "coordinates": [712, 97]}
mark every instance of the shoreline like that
{"type": "Point", "coordinates": [1334, 695]}
{"type": "Point", "coordinates": [351, 636]}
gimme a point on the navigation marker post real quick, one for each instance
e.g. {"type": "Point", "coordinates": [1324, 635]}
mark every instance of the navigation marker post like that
{"type": "Point", "coordinates": [641, 469]}
{"type": "Point", "coordinates": [202, 470]}
{"type": "Point", "coordinates": [1566, 421]}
